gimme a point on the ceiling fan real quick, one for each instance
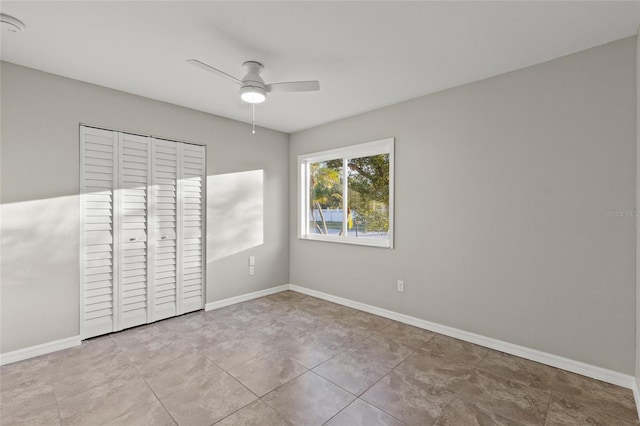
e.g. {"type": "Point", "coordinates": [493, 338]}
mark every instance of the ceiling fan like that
{"type": "Point", "coordinates": [252, 87]}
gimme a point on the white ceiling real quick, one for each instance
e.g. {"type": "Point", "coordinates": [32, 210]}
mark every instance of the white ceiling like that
{"type": "Point", "coordinates": [365, 54]}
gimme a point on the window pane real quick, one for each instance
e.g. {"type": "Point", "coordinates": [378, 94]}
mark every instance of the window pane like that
{"type": "Point", "coordinates": [368, 186]}
{"type": "Point", "coordinates": [325, 197]}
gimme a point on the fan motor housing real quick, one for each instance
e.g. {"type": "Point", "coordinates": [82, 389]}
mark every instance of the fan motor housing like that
{"type": "Point", "coordinates": [253, 78]}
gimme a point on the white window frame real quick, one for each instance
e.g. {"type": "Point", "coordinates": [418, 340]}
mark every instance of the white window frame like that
{"type": "Point", "coordinates": [383, 146]}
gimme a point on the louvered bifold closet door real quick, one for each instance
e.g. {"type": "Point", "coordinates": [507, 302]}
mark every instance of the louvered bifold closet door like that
{"type": "Point", "coordinates": [164, 285]}
{"type": "Point", "coordinates": [192, 211]}
{"type": "Point", "coordinates": [142, 230]}
{"type": "Point", "coordinates": [135, 175]}
{"type": "Point", "coordinates": [98, 180]}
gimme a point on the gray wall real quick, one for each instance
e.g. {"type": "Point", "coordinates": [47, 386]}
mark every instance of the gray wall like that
{"type": "Point", "coordinates": [502, 188]}
{"type": "Point", "coordinates": [40, 185]}
{"type": "Point", "coordinates": [638, 209]}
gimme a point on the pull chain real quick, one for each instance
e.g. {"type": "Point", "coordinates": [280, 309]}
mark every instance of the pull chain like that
{"type": "Point", "coordinates": [253, 119]}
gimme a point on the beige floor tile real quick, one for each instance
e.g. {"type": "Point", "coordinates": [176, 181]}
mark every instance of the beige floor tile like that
{"type": "Point", "coordinates": [382, 350]}
{"type": "Point", "coordinates": [520, 370]}
{"type": "Point", "coordinates": [359, 413]}
{"type": "Point", "coordinates": [277, 334]}
{"type": "Point", "coordinates": [24, 373]}
{"type": "Point", "coordinates": [606, 398]}
{"type": "Point", "coordinates": [308, 352]}
{"type": "Point", "coordinates": [84, 367]}
{"type": "Point", "coordinates": [267, 372]}
{"type": "Point", "coordinates": [260, 304]}
{"type": "Point", "coordinates": [506, 398]}
{"type": "Point", "coordinates": [366, 320]}
{"type": "Point", "coordinates": [208, 402]}
{"type": "Point", "coordinates": [247, 320]}
{"type": "Point", "coordinates": [463, 413]}
{"type": "Point", "coordinates": [184, 323]}
{"type": "Point", "coordinates": [230, 353]}
{"type": "Point", "coordinates": [352, 372]}
{"type": "Point", "coordinates": [311, 303]}
{"type": "Point", "coordinates": [454, 350]}
{"type": "Point", "coordinates": [303, 320]}
{"type": "Point", "coordinates": [325, 308]}
{"type": "Point", "coordinates": [73, 379]}
{"type": "Point", "coordinates": [407, 335]}
{"type": "Point", "coordinates": [124, 402]}
{"type": "Point", "coordinates": [255, 414]}
{"type": "Point", "coordinates": [90, 352]}
{"type": "Point", "coordinates": [286, 296]}
{"type": "Point", "coordinates": [22, 401]}
{"type": "Point", "coordinates": [133, 337]}
{"type": "Point", "coordinates": [564, 412]}
{"type": "Point", "coordinates": [27, 387]}
{"type": "Point", "coordinates": [210, 335]}
{"type": "Point", "coordinates": [435, 371]}
{"type": "Point", "coordinates": [149, 355]}
{"type": "Point", "coordinates": [315, 347]}
{"type": "Point", "coordinates": [308, 400]}
{"type": "Point", "coordinates": [409, 400]}
{"type": "Point", "coordinates": [206, 367]}
{"type": "Point", "coordinates": [213, 316]}
{"type": "Point", "coordinates": [47, 416]}
{"type": "Point", "coordinates": [179, 373]}
{"type": "Point", "coordinates": [353, 332]}
{"type": "Point", "coordinates": [443, 362]}
{"type": "Point", "coordinates": [335, 338]}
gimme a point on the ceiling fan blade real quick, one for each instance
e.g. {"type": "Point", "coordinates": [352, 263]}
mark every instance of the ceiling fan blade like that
{"type": "Point", "coordinates": [294, 86]}
{"type": "Point", "coordinates": [213, 70]}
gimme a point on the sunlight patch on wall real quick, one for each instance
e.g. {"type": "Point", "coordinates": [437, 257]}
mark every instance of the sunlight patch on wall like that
{"type": "Point", "coordinates": [39, 268]}
{"type": "Point", "coordinates": [38, 234]}
{"type": "Point", "coordinates": [235, 213]}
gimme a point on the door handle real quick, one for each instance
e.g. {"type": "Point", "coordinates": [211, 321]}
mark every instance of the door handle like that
{"type": "Point", "coordinates": [132, 239]}
{"type": "Point", "coordinates": [164, 237]}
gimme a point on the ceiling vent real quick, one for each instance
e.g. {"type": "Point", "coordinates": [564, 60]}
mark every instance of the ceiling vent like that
{"type": "Point", "coordinates": [11, 24]}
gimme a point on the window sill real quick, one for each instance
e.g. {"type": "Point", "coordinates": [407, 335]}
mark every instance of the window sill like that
{"type": "Point", "coordinates": [366, 242]}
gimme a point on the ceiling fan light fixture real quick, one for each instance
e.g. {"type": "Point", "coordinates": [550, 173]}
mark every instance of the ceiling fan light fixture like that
{"type": "Point", "coordinates": [253, 95]}
{"type": "Point", "coordinates": [253, 90]}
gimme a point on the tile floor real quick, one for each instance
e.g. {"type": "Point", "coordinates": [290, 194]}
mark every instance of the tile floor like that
{"type": "Point", "coordinates": [290, 359]}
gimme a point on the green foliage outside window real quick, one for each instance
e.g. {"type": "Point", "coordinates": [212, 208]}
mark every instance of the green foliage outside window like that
{"type": "Point", "coordinates": [368, 192]}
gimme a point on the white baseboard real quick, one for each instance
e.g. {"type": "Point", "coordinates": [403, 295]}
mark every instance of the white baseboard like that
{"type": "Point", "coordinates": [37, 350]}
{"type": "Point", "coordinates": [599, 373]}
{"type": "Point", "coordinates": [244, 297]}
{"type": "Point", "coordinates": [636, 394]}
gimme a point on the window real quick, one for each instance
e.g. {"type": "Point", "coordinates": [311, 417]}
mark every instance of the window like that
{"type": "Point", "coordinates": [346, 194]}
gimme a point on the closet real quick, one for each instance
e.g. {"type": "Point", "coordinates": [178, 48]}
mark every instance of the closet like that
{"type": "Point", "coordinates": [142, 229]}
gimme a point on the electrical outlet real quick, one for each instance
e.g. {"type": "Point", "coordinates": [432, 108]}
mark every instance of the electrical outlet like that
{"type": "Point", "coordinates": [252, 270]}
{"type": "Point", "coordinates": [400, 285]}
{"type": "Point", "coordinates": [252, 261]}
